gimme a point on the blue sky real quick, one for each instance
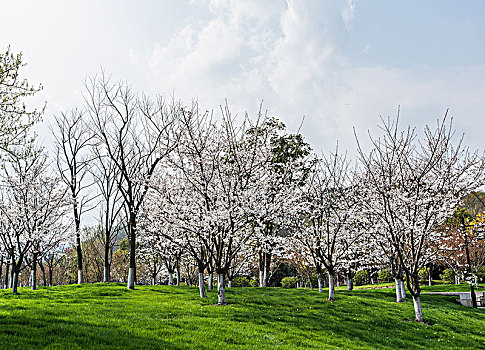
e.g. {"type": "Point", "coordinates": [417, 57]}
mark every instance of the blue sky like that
{"type": "Point", "coordinates": [338, 63]}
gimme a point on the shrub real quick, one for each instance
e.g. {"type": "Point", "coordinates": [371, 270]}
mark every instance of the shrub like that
{"type": "Point", "coordinates": [384, 276]}
{"type": "Point", "coordinates": [253, 283]}
{"type": "Point", "coordinates": [423, 274]}
{"type": "Point", "coordinates": [448, 276]}
{"type": "Point", "coordinates": [281, 271]}
{"type": "Point", "coordinates": [240, 282]}
{"type": "Point", "coordinates": [361, 278]}
{"type": "Point", "coordinates": [289, 282]}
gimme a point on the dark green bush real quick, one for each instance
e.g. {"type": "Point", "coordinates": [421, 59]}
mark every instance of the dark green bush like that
{"type": "Point", "coordinates": [361, 278]}
{"type": "Point", "coordinates": [384, 276]}
{"type": "Point", "coordinates": [289, 282]}
{"type": "Point", "coordinates": [448, 276]}
{"type": "Point", "coordinates": [241, 282]}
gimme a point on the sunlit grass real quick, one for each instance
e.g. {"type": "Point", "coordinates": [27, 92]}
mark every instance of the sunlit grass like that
{"type": "Point", "coordinates": [108, 316]}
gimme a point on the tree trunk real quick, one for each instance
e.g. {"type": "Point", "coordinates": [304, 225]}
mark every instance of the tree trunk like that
{"type": "Point", "coordinates": [79, 276]}
{"type": "Point", "coordinates": [178, 275]}
{"type": "Point", "coordinates": [267, 270]}
{"type": "Point", "coordinates": [320, 287]}
{"type": "Point", "coordinates": [34, 272]}
{"type": "Point", "coordinates": [221, 292]}
{"type": "Point", "coordinates": [473, 295]}
{"type": "Point", "coordinates": [7, 273]}
{"type": "Point", "coordinates": [210, 281]}
{"type": "Point", "coordinates": [15, 281]}
{"type": "Point", "coordinates": [430, 279]}
{"type": "Point", "coordinates": [261, 278]}
{"type": "Point", "coordinates": [131, 278]}
{"type": "Point", "coordinates": [201, 285]}
{"type": "Point", "coordinates": [50, 276]}
{"type": "Point", "coordinates": [350, 284]}
{"type": "Point", "coordinates": [132, 239]}
{"type": "Point", "coordinates": [403, 289]}
{"type": "Point", "coordinates": [398, 290]}
{"type": "Point", "coordinates": [1, 270]}
{"type": "Point", "coordinates": [261, 268]}
{"type": "Point", "coordinates": [338, 282]}
{"type": "Point", "coordinates": [106, 274]}
{"type": "Point", "coordinates": [331, 288]}
{"type": "Point", "coordinates": [229, 284]}
{"type": "Point", "coordinates": [170, 278]}
{"type": "Point", "coordinates": [476, 280]}
{"type": "Point", "coordinates": [417, 308]}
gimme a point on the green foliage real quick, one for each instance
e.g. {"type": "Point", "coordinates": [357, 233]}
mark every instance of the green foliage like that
{"type": "Point", "coordinates": [253, 283]}
{"type": "Point", "coordinates": [109, 316]}
{"type": "Point", "coordinates": [282, 270]}
{"type": "Point", "coordinates": [240, 282]}
{"type": "Point", "coordinates": [361, 278]}
{"type": "Point", "coordinates": [448, 276]}
{"type": "Point", "coordinates": [481, 274]}
{"type": "Point", "coordinates": [384, 276]}
{"type": "Point", "coordinates": [289, 282]}
{"type": "Point", "coordinates": [474, 202]}
{"type": "Point", "coordinates": [423, 274]}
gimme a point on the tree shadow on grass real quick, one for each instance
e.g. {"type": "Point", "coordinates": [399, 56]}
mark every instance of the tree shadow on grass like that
{"type": "Point", "coordinates": [19, 332]}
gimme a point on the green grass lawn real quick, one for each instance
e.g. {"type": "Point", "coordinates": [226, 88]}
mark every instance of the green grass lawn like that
{"type": "Point", "coordinates": [108, 316]}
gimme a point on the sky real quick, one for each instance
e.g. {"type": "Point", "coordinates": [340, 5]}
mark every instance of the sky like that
{"type": "Point", "coordinates": [335, 65]}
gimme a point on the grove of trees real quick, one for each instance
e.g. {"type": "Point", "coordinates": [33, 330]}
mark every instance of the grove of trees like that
{"type": "Point", "coordinates": [146, 190]}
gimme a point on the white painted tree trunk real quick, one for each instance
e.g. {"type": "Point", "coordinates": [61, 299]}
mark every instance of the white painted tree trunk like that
{"type": "Point", "coordinates": [261, 278]}
{"type": "Point", "coordinates": [331, 288]}
{"type": "Point", "coordinates": [229, 284]}
{"type": "Point", "coordinates": [201, 285]}
{"type": "Point", "coordinates": [338, 282]}
{"type": "Point", "coordinates": [210, 281]}
{"type": "Point", "coordinates": [178, 277]}
{"type": "Point", "coordinates": [403, 290]}
{"type": "Point", "coordinates": [320, 287]}
{"type": "Point", "coordinates": [106, 274]}
{"type": "Point", "coordinates": [79, 276]}
{"type": "Point", "coordinates": [417, 309]}
{"type": "Point", "coordinates": [154, 281]}
{"type": "Point", "coordinates": [398, 290]}
{"type": "Point", "coordinates": [476, 280]}
{"type": "Point", "coordinates": [350, 284]}
{"type": "Point", "coordinates": [131, 278]}
{"type": "Point", "coordinates": [265, 277]}
{"type": "Point", "coordinates": [372, 280]}
{"type": "Point", "coordinates": [170, 278]}
{"type": "Point", "coordinates": [430, 279]}
{"type": "Point", "coordinates": [15, 282]}
{"type": "Point", "coordinates": [33, 280]}
{"type": "Point", "coordinates": [221, 292]}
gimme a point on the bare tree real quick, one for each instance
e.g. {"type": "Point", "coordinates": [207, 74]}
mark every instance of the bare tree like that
{"type": "Point", "coordinates": [73, 140]}
{"type": "Point", "coordinates": [106, 174]}
{"type": "Point", "coordinates": [137, 133]}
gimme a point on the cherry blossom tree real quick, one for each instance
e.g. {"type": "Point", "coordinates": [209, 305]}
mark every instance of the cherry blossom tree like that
{"type": "Point", "coordinates": [15, 118]}
{"type": "Point", "coordinates": [413, 185]}
{"type": "Point", "coordinates": [329, 210]}
{"type": "Point", "coordinates": [33, 206]}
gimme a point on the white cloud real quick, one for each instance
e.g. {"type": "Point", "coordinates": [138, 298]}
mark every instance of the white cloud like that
{"type": "Point", "coordinates": [292, 55]}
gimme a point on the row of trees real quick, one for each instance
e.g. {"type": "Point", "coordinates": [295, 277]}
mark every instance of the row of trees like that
{"type": "Point", "coordinates": [212, 194]}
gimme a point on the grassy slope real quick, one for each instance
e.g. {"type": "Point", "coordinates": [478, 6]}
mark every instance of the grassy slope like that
{"type": "Point", "coordinates": [103, 316]}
